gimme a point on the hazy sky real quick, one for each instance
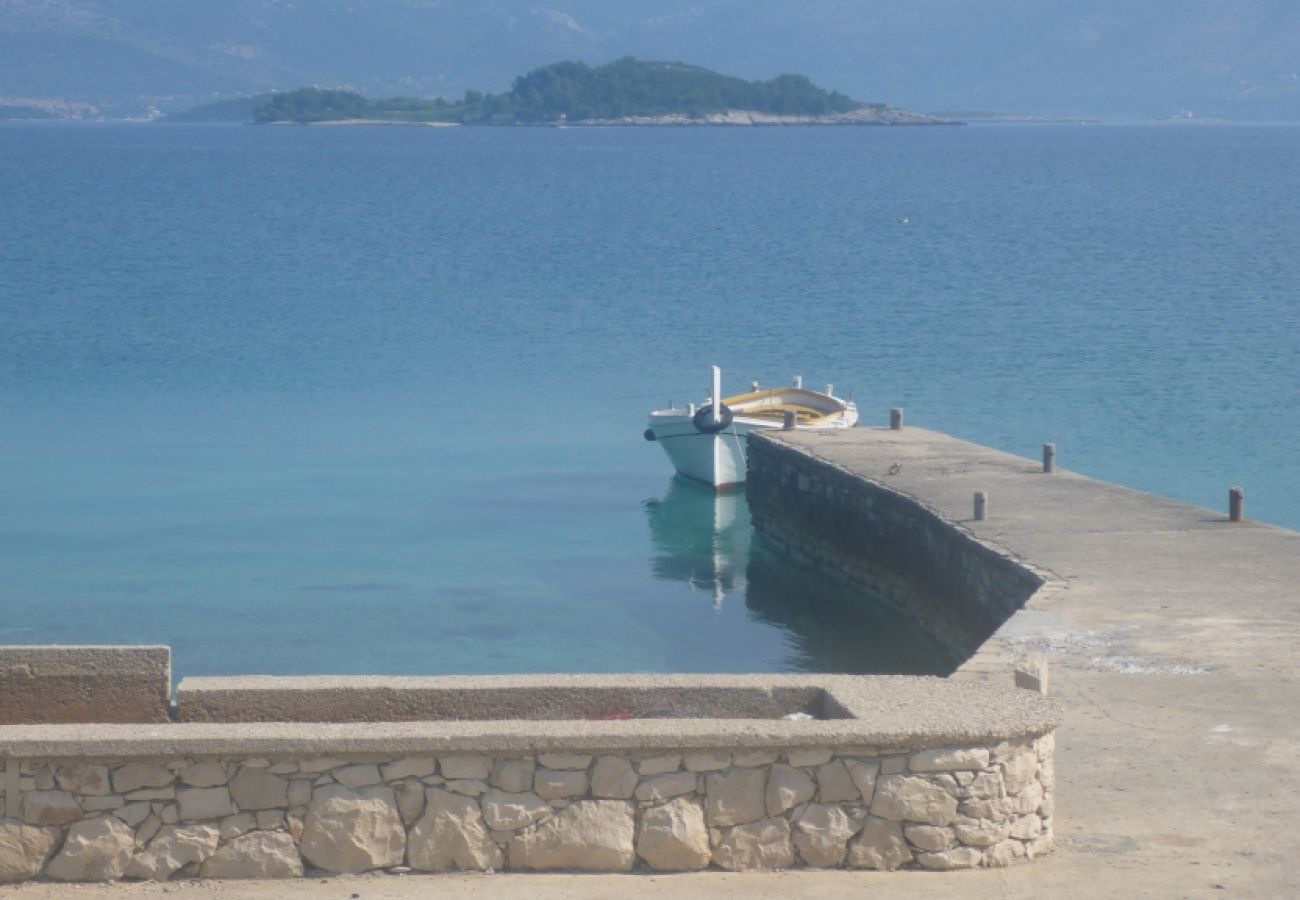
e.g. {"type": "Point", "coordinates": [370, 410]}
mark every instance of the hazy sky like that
{"type": "Point", "coordinates": [1237, 58]}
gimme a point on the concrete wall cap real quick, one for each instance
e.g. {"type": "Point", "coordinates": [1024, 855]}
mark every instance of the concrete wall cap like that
{"type": "Point", "coordinates": [886, 711]}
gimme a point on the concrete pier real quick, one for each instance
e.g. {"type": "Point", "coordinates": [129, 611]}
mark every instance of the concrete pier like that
{"type": "Point", "coordinates": [1173, 638]}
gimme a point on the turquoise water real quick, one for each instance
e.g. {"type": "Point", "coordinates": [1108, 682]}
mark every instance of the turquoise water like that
{"type": "Point", "coordinates": [370, 400]}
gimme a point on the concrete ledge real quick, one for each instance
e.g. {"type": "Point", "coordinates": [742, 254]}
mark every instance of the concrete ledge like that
{"type": "Point", "coordinates": [878, 711]}
{"type": "Point", "coordinates": [84, 684]}
{"type": "Point", "coordinates": [245, 699]}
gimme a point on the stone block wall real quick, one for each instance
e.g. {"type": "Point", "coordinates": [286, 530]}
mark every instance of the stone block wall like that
{"type": "Point", "coordinates": [739, 809]}
{"type": "Point", "coordinates": [886, 543]}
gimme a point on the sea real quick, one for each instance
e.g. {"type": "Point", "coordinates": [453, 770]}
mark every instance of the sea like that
{"type": "Point", "coordinates": [300, 400]}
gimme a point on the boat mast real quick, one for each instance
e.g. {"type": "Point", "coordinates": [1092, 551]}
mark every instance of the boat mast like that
{"type": "Point", "coordinates": [715, 410]}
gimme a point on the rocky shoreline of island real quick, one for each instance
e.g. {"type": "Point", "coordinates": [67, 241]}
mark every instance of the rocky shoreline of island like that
{"type": "Point", "coordinates": [866, 115]}
{"type": "Point", "coordinates": [731, 118]}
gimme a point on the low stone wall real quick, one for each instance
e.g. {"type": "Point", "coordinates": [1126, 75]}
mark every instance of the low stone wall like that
{"type": "Point", "coordinates": [886, 543]}
{"type": "Point", "coordinates": [913, 772]}
{"type": "Point", "coordinates": [955, 807]}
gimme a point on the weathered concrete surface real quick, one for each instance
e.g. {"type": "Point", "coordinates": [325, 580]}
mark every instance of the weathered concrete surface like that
{"type": "Point", "coordinates": [84, 684]}
{"type": "Point", "coordinates": [1172, 636]}
{"type": "Point", "coordinates": [422, 699]}
{"type": "Point", "coordinates": [882, 712]}
{"type": "Point", "coordinates": [1049, 877]}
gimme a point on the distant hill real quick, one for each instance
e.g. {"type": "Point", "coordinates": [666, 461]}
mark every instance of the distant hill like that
{"type": "Point", "coordinates": [1227, 58]}
{"type": "Point", "coordinates": [576, 92]}
{"type": "Point", "coordinates": [239, 109]}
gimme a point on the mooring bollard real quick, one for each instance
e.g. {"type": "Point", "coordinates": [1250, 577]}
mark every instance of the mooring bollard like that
{"type": "Point", "coordinates": [1031, 672]}
{"type": "Point", "coordinates": [896, 419]}
{"type": "Point", "coordinates": [1236, 503]}
{"type": "Point", "coordinates": [981, 505]}
{"type": "Point", "coordinates": [788, 421]}
{"type": "Point", "coordinates": [1049, 458]}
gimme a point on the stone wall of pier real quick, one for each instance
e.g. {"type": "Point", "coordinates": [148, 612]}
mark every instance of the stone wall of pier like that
{"type": "Point", "coordinates": [740, 809]}
{"type": "Point", "coordinates": [885, 543]}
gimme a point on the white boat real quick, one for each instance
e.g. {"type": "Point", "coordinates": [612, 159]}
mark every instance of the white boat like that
{"type": "Point", "coordinates": [708, 444]}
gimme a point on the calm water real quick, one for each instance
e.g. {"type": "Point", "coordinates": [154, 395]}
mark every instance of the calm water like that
{"type": "Point", "coordinates": [370, 400]}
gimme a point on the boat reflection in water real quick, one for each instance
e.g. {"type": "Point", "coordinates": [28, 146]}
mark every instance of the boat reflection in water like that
{"type": "Point", "coordinates": [705, 540]}
{"type": "Point", "coordinates": [700, 538]}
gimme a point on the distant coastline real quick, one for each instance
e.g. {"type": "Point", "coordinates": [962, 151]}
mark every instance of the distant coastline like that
{"type": "Point", "coordinates": [738, 118]}
{"type": "Point", "coordinates": [866, 115]}
{"type": "Point", "coordinates": [352, 123]}
{"type": "Point", "coordinates": [982, 117]}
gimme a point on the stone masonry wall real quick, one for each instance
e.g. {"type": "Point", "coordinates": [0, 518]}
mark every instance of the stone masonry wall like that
{"type": "Point", "coordinates": [859, 808]}
{"type": "Point", "coordinates": [885, 543]}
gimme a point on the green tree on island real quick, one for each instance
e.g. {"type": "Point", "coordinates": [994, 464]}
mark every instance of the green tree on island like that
{"type": "Point", "coordinates": [313, 105]}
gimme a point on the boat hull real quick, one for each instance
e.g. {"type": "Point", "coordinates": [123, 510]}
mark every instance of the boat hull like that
{"type": "Point", "coordinates": [718, 459]}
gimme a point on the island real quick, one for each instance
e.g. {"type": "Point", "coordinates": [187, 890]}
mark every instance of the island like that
{"type": "Point", "coordinates": [625, 92]}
